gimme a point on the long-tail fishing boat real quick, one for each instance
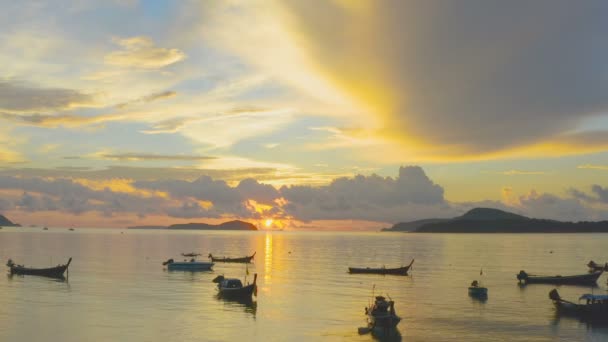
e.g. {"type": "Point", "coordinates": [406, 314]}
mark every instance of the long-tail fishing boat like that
{"type": "Point", "coordinates": [590, 306]}
{"type": "Point", "coordinates": [580, 279]}
{"type": "Point", "coordinates": [246, 259]}
{"type": "Point", "coordinates": [52, 272]}
{"type": "Point", "coordinates": [403, 270]}
{"type": "Point", "coordinates": [233, 288]}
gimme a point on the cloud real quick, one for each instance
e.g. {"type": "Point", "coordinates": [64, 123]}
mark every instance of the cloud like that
{"type": "Point", "coordinates": [148, 98]}
{"type": "Point", "coordinates": [593, 167]}
{"type": "Point", "coordinates": [517, 173]}
{"type": "Point", "coordinates": [462, 80]}
{"type": "Point", "coordinates": [599, 194]}
{"type": "Point", "coordinates": [66, 120]}
{"type": "Point", "coordinates": [411, 194]}
{"type": "Point", "coordinates": [150, 156]}
{"type": "Point", "coordinates": [551, 206]}
{"type": "Point", "coordinates": [140, 52]}
{"type": "Point", "coordinates": [19, 97]}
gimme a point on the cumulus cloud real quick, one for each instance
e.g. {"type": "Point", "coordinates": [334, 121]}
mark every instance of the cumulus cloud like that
{"type": "Point", "coordinates": [140, 52]}
{"type": "Point", "coordinates": [19, 97]}
{"type": "Point", "coordinates": [411, 195]}
{"type": "Point", "coordinates": [551, 206]}
{"type": "Point", "coordinates": [599, 194]}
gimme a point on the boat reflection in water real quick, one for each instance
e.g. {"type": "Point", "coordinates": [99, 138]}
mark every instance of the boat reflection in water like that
{"type": "Point", "coordinates": [247, 304]}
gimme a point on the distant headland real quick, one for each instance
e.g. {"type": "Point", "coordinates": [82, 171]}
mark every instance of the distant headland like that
{"type": "Point", "coordinates": [230, 225]}
{"type": "Point", "coordinates": [488, 220]}
{"type": "Point", "coordinates": [4, 222]}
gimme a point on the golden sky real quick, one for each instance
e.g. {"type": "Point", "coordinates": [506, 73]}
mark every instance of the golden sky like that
{"type": "Point", "coordinates": [306, 113]}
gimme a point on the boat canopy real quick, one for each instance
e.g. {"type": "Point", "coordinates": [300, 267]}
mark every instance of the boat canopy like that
{"type": "Point", "coordinates": [593, 297]}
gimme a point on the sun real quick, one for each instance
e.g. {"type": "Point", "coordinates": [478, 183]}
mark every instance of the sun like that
{"type": "Point", "coordinates": [268, 222]}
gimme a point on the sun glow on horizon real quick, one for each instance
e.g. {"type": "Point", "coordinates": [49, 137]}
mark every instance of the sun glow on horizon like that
{"type": "Point", "coordinates": [268, 223]}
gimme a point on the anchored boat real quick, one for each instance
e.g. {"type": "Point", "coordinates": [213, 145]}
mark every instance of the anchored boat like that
{"type": "Point", "coordinates": [582, 279]}
{"type": "Point", "coordinates": [403, 270]}
{"type": "Point", "coordinates": [382, 319]}
{"type": "Point", "coordinates": [51, 272]}
{"type": "Point", "coordinates": [246, 259]}
{"type": "Point", "coordinates": [590, 306]}
{"type": "Point", "coordinates": [476, 290]}
{"type": "Point", "coordinates": [232, 288]}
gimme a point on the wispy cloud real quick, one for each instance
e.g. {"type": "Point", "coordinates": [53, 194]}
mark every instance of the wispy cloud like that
{"type": "Point", "coordinates": [19, 97]}
{"type": "Point", "coordinates": [150, 156]}
{"type": "Point", "coordinates": [148, 98]}
{"type": "Point", "coordinates": [515, 172]}
{"type": "Point", "coordinates": [593, 167]}
{"type": "Point", "coordinates": [140, 52]}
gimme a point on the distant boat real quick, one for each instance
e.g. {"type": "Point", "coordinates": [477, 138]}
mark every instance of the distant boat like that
{"type": "Point", "coordinates": [582, 279]}
{"type": "Point", "coordinates": [246, 259]}
{"type": "Point", "coordinates": [52, 272]}
{"type": "Point", "coordinates": [593, 267]}
{"type": "Point", "coordinates": [193, 255]}
{"type": "Point", "coordinates": [71, 229]}
{"type": "Point", "coordinates": [381, 318]}
{"type": "Point", "coordinates": [594, 307]}
{"type": "Point", "coordinates": [381, 270]}
{"type": "Point", "coordinates": [191, 265]}
{"type": "Point", "coordinates": [232, 288]}
{"type": "Point", "coordinates": [475, 290]}
{"type": "Point", "coordinates": [45, 228]}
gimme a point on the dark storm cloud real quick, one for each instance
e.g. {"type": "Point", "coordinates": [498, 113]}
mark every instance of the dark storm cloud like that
{"type": "Point", "coordinates": [469, 76]}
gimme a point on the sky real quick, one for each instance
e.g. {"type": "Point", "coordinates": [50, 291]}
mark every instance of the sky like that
{"type": "Point", "coordinates": [301, 115]}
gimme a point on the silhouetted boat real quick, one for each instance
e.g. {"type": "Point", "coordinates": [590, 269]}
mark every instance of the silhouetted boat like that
{"type": "Point", "coordinates": [246, 259]}
{"type": "Point", "coordinates": [593, 267]}
{"type": "Point", "coordinates": [382, 319]}
{"type": "Point", "coordinates": [382, 270]}
{"type": "Point", "coordinates": [71, 229]}
{"type": "Point", "coordinates": [52, 272]}
{"type": "Point", "coordinates": [582, 279]}
{"type": "Point", "coordinates": [595, 306]}
{"type": "Point", "coordinates": [45, 228]}
{"type": "Point", "coordinates": [193, 255]}
{"type": "Point", "coordinates": [191, 265]}
{"type": "Point", "coordinates": [475, 290]}
{"type": "Point", "coordinates": [232, 288]}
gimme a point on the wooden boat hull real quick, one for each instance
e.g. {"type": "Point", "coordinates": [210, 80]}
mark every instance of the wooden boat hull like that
{"type": "Point", "coordinates": [50, 272]}
{"type": "Point", "coordinates": [381, 270]}
{"type": "Point", "coordinates": [244, 260]}
{"type": "Point", "coordinates": [478, 291]}
{"type": "Point", "coordinates": [591, 311]}
{"type": "Point", "coordinates": [190, 266]}
{"type": "Point", "coordinates": [242, 293]}
{"type": "Point", "coordinates": [582, 279]}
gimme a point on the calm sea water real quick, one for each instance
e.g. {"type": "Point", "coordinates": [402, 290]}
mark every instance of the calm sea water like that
{"type": "Point", "coordinates": [118, 290]}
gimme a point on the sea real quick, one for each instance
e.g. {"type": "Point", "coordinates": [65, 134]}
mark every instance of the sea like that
{"type": "Point", "coordinates": [118, 290]}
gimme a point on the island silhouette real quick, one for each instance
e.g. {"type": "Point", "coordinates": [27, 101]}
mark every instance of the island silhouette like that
{"type": "Point", "coordinates": [490, 220]}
